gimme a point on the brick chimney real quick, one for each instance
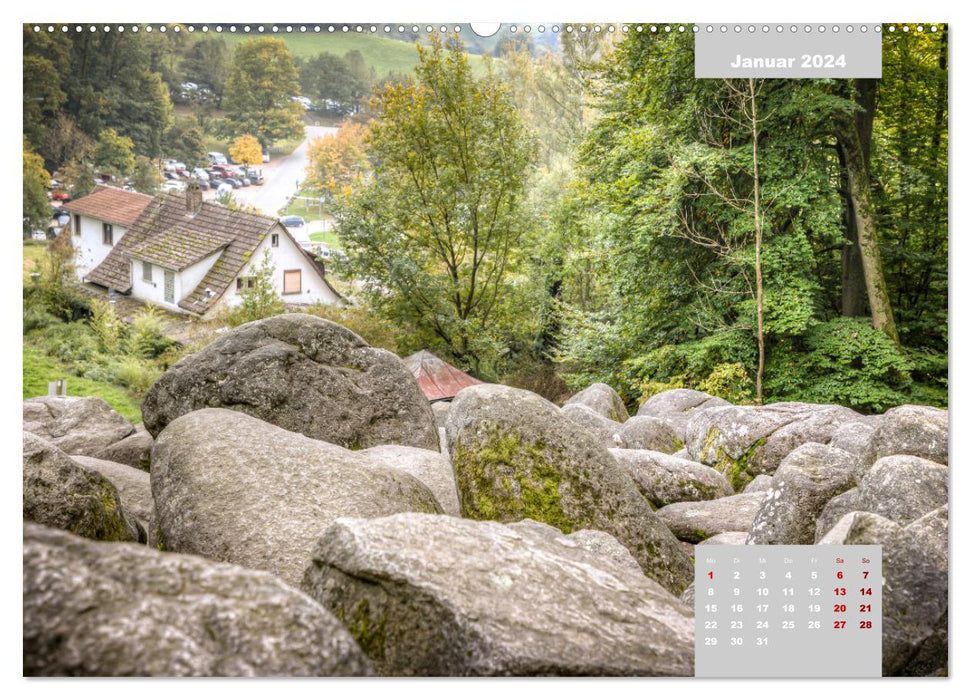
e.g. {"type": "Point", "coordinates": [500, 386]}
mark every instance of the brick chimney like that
{"type": "Point", "coordinates": [193, 198]}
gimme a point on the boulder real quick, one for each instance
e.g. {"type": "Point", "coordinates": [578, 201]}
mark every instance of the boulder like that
{"type": "Point", "coordinates": [646, 433]}
{"type": "Point", "coordinates": [727, 538]}
{"type": "Point", "coordinates": [688, 597]}
{"type": "Point", "coordinates": [808, 478]}
{"type": "Point", "coordinates": [695, 521]}
{"type": "Point", "coordinates": [855, 437]}
{"type": "Point", "coordinates": [915, 589]}
{"type": "Point", "coordinates": [602, 399]}
{"type": "Point", "coordinates": [744, 441]}
{"type": "Point", "coordinates": [100, 609]}
{"type": "Point", "coordinates": [60, 493]}
{"type": "Point", "coordinates": [134, 450]}
{"type": "Point", "coordinates": [134, 486]}
{"type": "Point", "coordinates": [440, 411]}
{"type": "Point", "coordinates": [676, 407]}
{"type": "Point", "coordinates": [868, 528]}
{"type": "Point", "coordinates": [517, 456]}
{"type": "Point", "coordinates": [603, 544]}
{"type": "Point", "coordinates": [78, 425]}
{"type": "Point", "coordinates": [234, 488]}
{"type": "Point", "coordinates": [604, 429]}
{"type": "Point", "coordinates": [760, 484]}
{"type": "Point", "coordinates": [903, 488]}
{"type": "Point", "coordinates": [303, 374]}
{"type": "Point", "coordinates": [664, 479]}
{"type": "Point", "coordinates": [430, 468]}
{"type": "Point", "coordinates": [442, 596]}
{"type": "Point", "coordinates": [835, 509]}
{"type": "Point", "coordinates": [920, 431]}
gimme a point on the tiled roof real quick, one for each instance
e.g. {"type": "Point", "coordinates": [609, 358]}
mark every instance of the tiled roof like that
{"type": "Point", "coordinates": [436, 378]}
{"type": "Point", "coordinates": [116, 206]}
{"type": "Point", "coordinates": [178, 247]}
{"type": "Point", "coordinates": [214, 226]}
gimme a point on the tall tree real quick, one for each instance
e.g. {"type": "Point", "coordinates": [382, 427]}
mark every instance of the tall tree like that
{"type": "Point", "coordinates": [114, 153]}
{"type": "Point", "coordinates": [37, 209]}
{"type": "Point", "coordinates": [261, 82]}
{"type": "Point", "coordinates": [437, 229]}
{"type": "Point", "coordinates": [207, 63]}
{"type": "Point", "coordinates": [185, 141]}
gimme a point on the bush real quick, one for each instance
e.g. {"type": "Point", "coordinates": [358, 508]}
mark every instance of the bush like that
{"type": "Point", "coordinates": [134, 374]}
{"type": "Point", "coordinates": [146, 337]}
{"type": "Point", "coordinates": [37, 318]}
{"type": "Point", "coordinates": [364, 321]}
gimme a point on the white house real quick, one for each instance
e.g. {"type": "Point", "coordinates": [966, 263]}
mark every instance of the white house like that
{"type": "Point", "coordinates": [99, 221]}
{"type": "Point", "coordinates": [197, 257]}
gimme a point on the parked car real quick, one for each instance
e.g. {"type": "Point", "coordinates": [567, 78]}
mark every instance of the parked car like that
{"type": "Point", "coordinates": [61, 196]}
{"type": "Point", "coordinates": [233, 182]}
{"type": "Point", "coordinates": [292, 221]}
{"type": "Point", "coordinates": [266, 156]}
{"type": "Point", "coordinates": [173, 165]}
{"type": "Point", "coordinates": [200, 174]}
{"type": "Point", "coordinates": [203, 184]}
{"type": "Point", "coordinates": [224, 188]}
{"type": "Point", "coordinates": [255, 178]}
{"type": "Point", "coordinates": [173, 186]}
{"type": "Point", "coordinates": [217, 158]}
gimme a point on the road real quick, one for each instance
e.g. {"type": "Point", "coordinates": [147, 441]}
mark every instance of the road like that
{"type": "Point", "coordinates": [281, 176]}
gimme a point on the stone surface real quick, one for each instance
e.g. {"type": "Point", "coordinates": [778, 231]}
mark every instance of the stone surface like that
{"type": "Point", "coordinates": [517, 456]}
{"type": "Point", "coordinates": [134, 450]}
{"type": "Point", "coordinates": [603, 544]}
{"type": "Point", "coordinates": [760, 484]}
{"type": "Point", "coordinates": [855, 437]}
{"type": "Point", "coordinates": [695, 521]}
{"type": "Point", "coordinates": [808, 478]}
{"type": "Point", "coordinates": [676, 407]}
{"type": "Point", "coordinates": [433, 469]}
{"type": "Point", "coordinates": [602, 399]}
{"type": "Point", "coordinates": [915, 590]}
{"type": "Point", "coordinates": [435, 595]}
{"type": "Point", "coordinates": [60, 493]}
{"type": "Point", "coordinates": [727, 538]}
{"type": "Point", "coordinates": [647, 433]}
{"type": "Point", "coordinates": [605, 430]}
{"type": "Point", "coordinates": [81, 425]}
{"type": "Point", "coordinates": [664, 479]}
{"type": "Point", "coordinates": [688, 597]}
{"type": "Point", "coordinates": [134, 486]}
{"type": "Point", "coordinates": [100, 609]}
{"type": "Point", "coordinates": [835, 509]}
{"type": "Point", "coordinates": [233, 488]}
{"type": "Point", "coordinates": [903, 488]}
{"type": "Point", "coordinates": [920, 431]}
{"type": "Point", "coordinates": [440, 410]}
{"type": "Point", "coordinates": [818, 424]}
{"type": "Point", "coordinates": [303, 374]}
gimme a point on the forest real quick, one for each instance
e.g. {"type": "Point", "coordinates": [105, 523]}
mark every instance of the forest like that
{"type": "Point", "coordinates": [549, 216]}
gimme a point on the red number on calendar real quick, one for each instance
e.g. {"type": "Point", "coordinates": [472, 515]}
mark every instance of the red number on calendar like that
{"type": "Point", "coordinates": [865, 607]}
{"type": "Point", "coordinates": [839, 608]}
{"type": "Point", "coordinates": [866, 624]}
{"type": "Point", "coordinates": [711, 574]}
{"type": "Point", "coordinates": [839, 574]}
{"type": "Point", "coordinates": [839, 591]}
{"type": "Point", "coordinates": [839, 624]}
{"type": "Point", "coordinates": [866, 591]}
{"type": "Point", "coordinates": [866, 574]}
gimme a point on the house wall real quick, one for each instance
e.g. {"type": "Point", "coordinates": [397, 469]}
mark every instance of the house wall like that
{"type": "Point", "coordinates": [88, 246]}
{"type": "Point", "coordinates": [286, 256]}
{"type": "Point", "coordinates": [185, 281]}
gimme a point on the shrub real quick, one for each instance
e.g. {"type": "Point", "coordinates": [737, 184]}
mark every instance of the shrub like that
{"type": "Point", "coordinates": [146, 337]}
{"type": "Point", "coordinates": [364, 321]}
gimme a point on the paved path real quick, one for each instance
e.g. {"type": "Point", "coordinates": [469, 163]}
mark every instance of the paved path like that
{"type": "Point", "coordinates": [282, 177]}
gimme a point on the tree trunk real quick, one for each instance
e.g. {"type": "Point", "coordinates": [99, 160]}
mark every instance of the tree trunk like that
{"type": "Point", "coordinates": [854, 294]}
{"type": "Point", "coordinates": [858, 179]}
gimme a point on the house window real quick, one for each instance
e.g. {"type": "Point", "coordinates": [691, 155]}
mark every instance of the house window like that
{"type": "Point", "coordinates": [170, 286]}
{"type": "Point", "coordinates": [275, 240]}
{"type": "Point", "coordinates": [245, 283]}
{"type": "Point", "coordinates": [292, 283]}
{"type": "Point", "coordinates": [107, 234]}
{"type": "Point", "coordinates": [146, 271]}
{"type": "Point", "coordinates": [77, 224]}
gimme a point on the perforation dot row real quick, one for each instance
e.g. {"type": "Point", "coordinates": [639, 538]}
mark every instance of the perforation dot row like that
{"type": "Point", "coordinates": [388, 29]}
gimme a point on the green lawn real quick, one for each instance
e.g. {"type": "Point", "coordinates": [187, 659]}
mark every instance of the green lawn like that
{"type": "Point", "coordinates": [330, 238]}
{"type": "Point", "coordinates": [33, 253]}
{"type": "Point", "coordinates": [40, 369]}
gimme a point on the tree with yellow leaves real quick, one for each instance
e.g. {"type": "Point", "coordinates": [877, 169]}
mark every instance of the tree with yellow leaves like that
{"type": "Point", "coordinates": [338, 161]}
{"type": "Point", "coordinates": [246, 150]}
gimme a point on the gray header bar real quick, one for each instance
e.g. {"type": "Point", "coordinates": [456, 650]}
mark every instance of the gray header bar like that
{"type": "Point", "coordinates": [760, 50]}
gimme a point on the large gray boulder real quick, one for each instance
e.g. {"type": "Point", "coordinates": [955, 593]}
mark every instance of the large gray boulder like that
{"type": "Point", "coordinates": [233, 488]}
{"type": "Point", "coordinates": [134, 486]}
{"type": "Point", "coordinates": [98, 609]}
{"type": "Point", "coordinates": [517, 456]}
{"type": "Point", "coordinates": [834, 510]}
{"type": "Point", "coordinates": [442, 596]}
{"type": "Point", "coordinates": [646, 433]}
{"type": "Point", "coordinates": [915, 588]}
{"type": "Point", "coordinates": [664, 479]}
{"type": "Point", "coordinates": [605, 430]}
{"type": "Point", "coordinates": [676, 407]}
{"type": "Point", "coordinates": [808, 478]}
{"type": "Point", "coordinates": [440, 409]}
{"type": "Point", "coordinates": [602, 399]}
{"type": "Point", "coordinates": [903, 488]}
{"type": "Point", "coordinates": [78, 425]}
{"type": "Point", "coordinates": [744, 441]}
{"type": "Point", "coordinates": [134, 450]}
{"type": "Point", "coordinates": [430, 468]}
{"type": "Point", "coordinates": [855, 437]}
{"type": "Point", "coordinates": [726, 538]}
{"type": "Point", "coordinates": [695, 521]}
{"type": "Point", "coordinates": [303, 374]}
{"type": "Point", "coordinates": [920, 431]}
{"type": "Point", "coordinates": [60, 493]}
{"type": "Point", "coordinates": [760, 484]}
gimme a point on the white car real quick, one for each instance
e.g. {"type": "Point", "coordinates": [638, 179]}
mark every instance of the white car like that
{"type": "Point", "coordinates": [216, 158]}
{"type": "Point", "coordinates": [223, 189]}
{"type": "Point", "coordinates": [201, 174]}
{"type": "Point", "coordinates": [173, 165]}
{"type": "Point", "coordinates": [173, 186]}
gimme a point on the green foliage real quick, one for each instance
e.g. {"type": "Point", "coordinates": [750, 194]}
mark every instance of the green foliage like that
{"type": "Point", "coordinates": [52, 290]}
{"type": "Point", "coordinates": [361, 319]}
{"type": "Point", "coordinates": [259, 300]}
{"type": "Point", "coordinates": [207, 63]}
{"type": "Point", "coordinates": [37, 210]}
{"type": "Point", "coordinates": [145, 337]}
{"type": "Point", "coordinates": [114, 153]}
{"type": "Point", "coordinates": [185, 141]}
{"type": "Point", "coordinates": [261, 81]}
{"type": "Point", "coordinates": [842, 361]}
{"type": "Point", "coordinates": [107, 326]}
{"type": "Point", "coordinates": [328, 79]}
{"type": "Point", "coordinates": [146, 178]}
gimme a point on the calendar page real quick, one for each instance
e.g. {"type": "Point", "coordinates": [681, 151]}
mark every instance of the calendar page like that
{"type": "Point", "coordinates": [446, 349]}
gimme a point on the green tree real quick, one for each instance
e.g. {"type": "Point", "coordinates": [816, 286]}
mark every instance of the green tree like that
{"type": "Point", "coordinates": [328, 79]}
{"type": "Point", "coordinates": [261, 82]}
{"type": "Point", "coordinates": [45, 63]}
{"type": "Point", "coordinates": [246, 150]}
{"type": "Point", "coordinates": [260, 300]}
{"type": "Point", "coordinates": [114, 153]}
{"type": "Point", "coordinates": [437, 231]}
{"type": "Point", "coordinates": [185, 141]}
{"type": "Point", "coordinates": [207, 64]}
{"type": "Point", "coordinates": [37, 209]}
{"type": "Point", "coordinates": [145, 177]}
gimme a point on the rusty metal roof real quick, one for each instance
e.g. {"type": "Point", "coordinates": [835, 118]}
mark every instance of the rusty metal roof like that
{"type": "Point", "coordinates": [437, 379]}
